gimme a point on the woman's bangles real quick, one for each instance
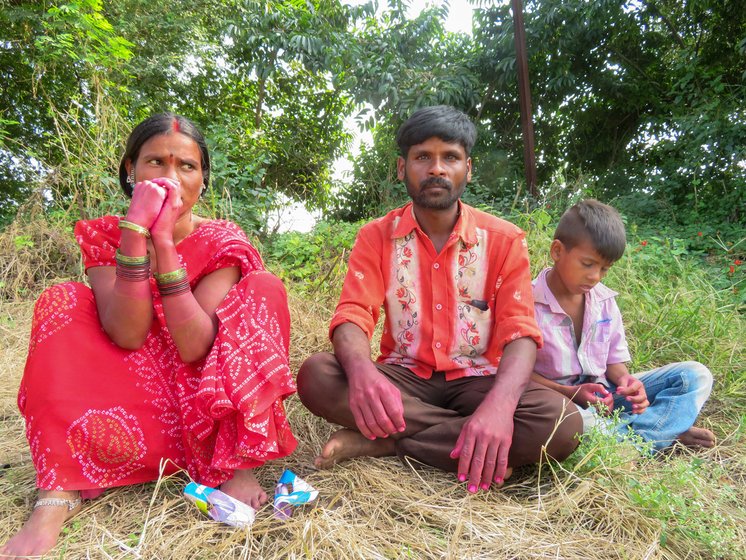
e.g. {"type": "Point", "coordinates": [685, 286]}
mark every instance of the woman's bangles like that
{"type": "Point", "coordinates": [132, 269]}
{"type": "Point", "coordinates": [173, 283]}
{"type": "Point", "coordinates": [136, 269]}
{"type": "Point", "coordinates": [124, 224]}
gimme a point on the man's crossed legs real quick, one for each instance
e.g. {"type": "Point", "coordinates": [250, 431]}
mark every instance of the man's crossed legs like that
{"type": "Point", "coordinates": [434, 412]}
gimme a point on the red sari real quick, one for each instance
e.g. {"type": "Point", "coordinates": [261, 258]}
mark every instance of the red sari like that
{"type": "Point", "coordinates": [98, 416]}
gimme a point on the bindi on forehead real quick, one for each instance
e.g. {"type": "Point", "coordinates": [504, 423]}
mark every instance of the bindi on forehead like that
{"type": "Point", "coordinates": [175, 126]}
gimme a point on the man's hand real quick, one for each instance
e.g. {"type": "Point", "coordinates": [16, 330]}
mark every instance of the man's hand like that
{"type": "Point", "coordinates": [588, 394]}
{"type": "Point", "coordinates": [633, 389]}
{"type": "Point", "coordinates": [375, 403]}
{"type": "Point", "coordinates": [482, 447]}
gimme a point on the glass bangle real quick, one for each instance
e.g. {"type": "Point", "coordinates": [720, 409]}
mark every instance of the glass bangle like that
{"type": "Point", "coordinates": [124, 224]}
{"type": "Point", "coordinates": [132, 261]}
{"type": "Point", "coordinates": [170, 277]}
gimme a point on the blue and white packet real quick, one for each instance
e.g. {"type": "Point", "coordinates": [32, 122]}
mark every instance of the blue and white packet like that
{"type": "Point", "coordinates": [291, 490]}
{"type": "Point", "coordinates": [220, 506]}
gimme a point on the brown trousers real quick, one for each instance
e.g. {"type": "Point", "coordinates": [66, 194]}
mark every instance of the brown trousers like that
{"type": "Point", "coordinates": [435, 411]}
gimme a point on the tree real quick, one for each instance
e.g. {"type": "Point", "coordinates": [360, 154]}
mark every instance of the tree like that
{"type": "Point", "coordinates": [644, 98]}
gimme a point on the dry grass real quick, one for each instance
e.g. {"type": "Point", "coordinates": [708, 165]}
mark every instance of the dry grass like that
{"type": "Point", "coordinates": [380, 508]}
{"type": "Point", "coordinates": [34, 254]}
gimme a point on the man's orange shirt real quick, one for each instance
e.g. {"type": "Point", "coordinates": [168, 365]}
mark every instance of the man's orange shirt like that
{"type": "Point", "coordinates": [454, 311]}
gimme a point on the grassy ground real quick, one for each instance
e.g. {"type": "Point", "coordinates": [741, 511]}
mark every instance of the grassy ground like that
{"type": "Point", "coordinates": [605, 502]}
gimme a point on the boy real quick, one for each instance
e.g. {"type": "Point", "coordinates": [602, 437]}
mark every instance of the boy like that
{"type": "Point", "coordinates": [585, 349]}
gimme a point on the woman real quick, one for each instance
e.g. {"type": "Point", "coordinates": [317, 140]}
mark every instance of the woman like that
{"type": "Point", "coordinates": [179, 351]}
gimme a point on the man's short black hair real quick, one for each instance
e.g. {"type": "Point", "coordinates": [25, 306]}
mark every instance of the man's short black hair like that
{"type": "Point", "coordinates": [596, 222]}
{"type": "Point", "coordinates": [441, 121]}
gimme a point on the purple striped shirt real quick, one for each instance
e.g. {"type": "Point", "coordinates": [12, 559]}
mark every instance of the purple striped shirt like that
{"type": "Point", "coordinates": [602, 341]}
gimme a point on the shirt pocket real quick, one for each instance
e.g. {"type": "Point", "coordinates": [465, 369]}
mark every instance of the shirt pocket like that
{"type": "Point", "coordinates": [601, 332]}
{"type": "Point", "coordinates": [474, 326]}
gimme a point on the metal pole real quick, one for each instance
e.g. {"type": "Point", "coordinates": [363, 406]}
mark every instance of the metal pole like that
{"type": "Point", "coordinates": [524, 97]}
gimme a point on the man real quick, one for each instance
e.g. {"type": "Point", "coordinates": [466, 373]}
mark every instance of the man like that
{"type": "Point", "coordinates": [451, 387]}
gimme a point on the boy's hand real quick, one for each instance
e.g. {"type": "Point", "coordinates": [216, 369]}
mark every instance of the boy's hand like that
{"type": "Point", "coordinates": [592, 394]}
{"type": "Point", "coordinates": [633, 389]}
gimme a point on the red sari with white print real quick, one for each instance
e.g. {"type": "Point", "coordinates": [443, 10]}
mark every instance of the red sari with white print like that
{"type": "Point", "coordinates": [98, 416]}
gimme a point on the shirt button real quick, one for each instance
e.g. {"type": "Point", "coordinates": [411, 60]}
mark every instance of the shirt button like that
{"type": "Point", "coordinates": [438, 307]}
{"type": "Point", "coordinates": [438, 344]}
{"type": "Point", "coordinates": [436, 266]}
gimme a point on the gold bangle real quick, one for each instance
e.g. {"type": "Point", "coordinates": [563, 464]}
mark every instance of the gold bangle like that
{"type": "Point", "coordinates": [127, 260]}
{"type": "Point", "coordinates": [124, 224]}
{"type": "Point", "coordinates": [171, 277]}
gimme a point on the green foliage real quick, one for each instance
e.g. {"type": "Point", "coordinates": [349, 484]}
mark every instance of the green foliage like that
{"type": "Point", "coordinates": [375, 188]}
{"type": "Point", "coordinates": [640, 103]}
{"type": "Point", "coordinates": [55, 58]}
{"type": "Point", "coordinates": [691, 503]}
{"type": "Point", "coordinates": [315, 262]}
{"type": "Point", "coordinates": [255, 75]}
{"type": "Point", "coordinates": [686, 495]}
{"type": "Point", "coordinates": [645, 99]}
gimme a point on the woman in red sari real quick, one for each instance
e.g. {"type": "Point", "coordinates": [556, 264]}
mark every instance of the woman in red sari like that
{"type": "Point", "coordinates": [179, 351]}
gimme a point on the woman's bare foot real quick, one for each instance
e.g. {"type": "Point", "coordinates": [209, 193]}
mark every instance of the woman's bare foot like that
{"type": "Point", "coordinates": [246, 488]}
{"type": "Point", "coordinates": [346, 444]}
{"type": "Point", "coordinates": [40, 532]}
{"type": "Point", "coordinates": [697, 437]}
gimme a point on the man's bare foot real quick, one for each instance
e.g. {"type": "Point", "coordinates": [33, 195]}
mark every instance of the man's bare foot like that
{"type": "Point", "coordinates": [40, 532]}
{"type": "Point", "coordinates": [246, 488]}
{"type": "Point", "coordinates": [346, 444]}
{"type": "Point", "coordinates": [697, 437]}
{"type": "Point", "coordinates": [508, 474]}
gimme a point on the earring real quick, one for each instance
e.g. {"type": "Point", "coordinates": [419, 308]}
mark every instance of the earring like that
{"type": "Point", "coordinates": [202, 189]}
{"type": "Point", "coordinates": [131, 178]}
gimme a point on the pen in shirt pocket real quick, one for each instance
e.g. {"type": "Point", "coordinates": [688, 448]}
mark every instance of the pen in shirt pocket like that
{"type": "Point", "coordinates": [603, 321]}
{"type": "Point", "coordinates": [479, 304]}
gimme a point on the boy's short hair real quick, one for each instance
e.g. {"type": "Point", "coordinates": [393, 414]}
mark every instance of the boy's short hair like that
{"type": "Point", "coordinates": [594, 221]}
{"type": "Point", "coordinates": [441, 121]}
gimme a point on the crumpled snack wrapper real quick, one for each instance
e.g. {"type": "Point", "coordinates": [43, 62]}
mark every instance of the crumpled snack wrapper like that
{"type": "Point", "coordinates": [219, 506]}
{"type": "Point", "coordinates": [290, 491]}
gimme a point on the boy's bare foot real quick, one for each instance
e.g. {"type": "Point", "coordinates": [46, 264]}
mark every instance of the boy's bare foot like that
{"type": "Point", "coordinates": [40, 532]}
{"type": "Point", "coordinates": [697, 437]}
{"type": "Point", "coordinates": [346, 444]}
{"type": "Point", "coordinates": [246, 488]}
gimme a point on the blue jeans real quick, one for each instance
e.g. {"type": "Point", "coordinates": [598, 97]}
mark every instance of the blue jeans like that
{"type": "Point", "coordinates": [676, 393]}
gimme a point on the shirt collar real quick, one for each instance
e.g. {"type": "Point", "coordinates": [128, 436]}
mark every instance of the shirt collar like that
{"type": "Point", "coordinates": [465, 227]}
{"type": "Point", "coordinates": [542, 293]}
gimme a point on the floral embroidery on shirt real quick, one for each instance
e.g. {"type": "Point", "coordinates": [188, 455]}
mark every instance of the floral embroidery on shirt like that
{"type": "Point", "coordinates": [359, 275]}
{"type": "Point", "coordinates": [467, 260]}
{"type": "Point", "coordinates": [407, 321]}
{"type": "Point", "coordinates": [470, 337]}
{"type": "Point", "coordinates": [517, 295]}
{"type": "Point", "coordinates": [474, 324]}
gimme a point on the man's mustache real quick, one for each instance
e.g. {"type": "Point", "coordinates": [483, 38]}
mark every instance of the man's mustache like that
{"type": "Point", "coordinates": [436, 182]}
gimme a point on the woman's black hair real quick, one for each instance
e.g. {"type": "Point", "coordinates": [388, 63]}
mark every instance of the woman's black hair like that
{"type": "Point", "coordinates": [161, 123]}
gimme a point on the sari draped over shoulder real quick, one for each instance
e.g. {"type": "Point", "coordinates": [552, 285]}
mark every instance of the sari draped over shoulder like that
{"type": "Point", "coordinates": [99, 416]}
